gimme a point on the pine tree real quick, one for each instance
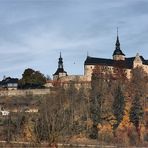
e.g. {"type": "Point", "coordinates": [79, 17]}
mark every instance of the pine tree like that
{"type": "Point", "coordinates": [95, 111]}
{"type": "Point", "coordinates": [136, 113]}
{"type": "Point", "coordinates": [118, 106]}
{"type": "Point", "coordinates": [97, 95]}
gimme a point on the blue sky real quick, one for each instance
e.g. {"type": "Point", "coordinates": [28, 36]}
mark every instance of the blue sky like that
{"type": "Point", "coordinates": [33, 32]}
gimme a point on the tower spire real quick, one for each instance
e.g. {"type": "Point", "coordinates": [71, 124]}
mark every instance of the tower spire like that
{"type": "Point", "coordinates": [117, 41]}
{"type": "Point", "coordinates": [60, 63]}
{"type": "Point", "coordinates": [60, 55]}
{"type": "Point", "coordinates": [118, 54]}
{"type": "Point", "coordinates": [60, 70]}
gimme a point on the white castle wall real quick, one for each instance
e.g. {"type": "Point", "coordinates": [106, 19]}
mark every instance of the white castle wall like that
{"type": "Point", "coordinates": [24, 92]}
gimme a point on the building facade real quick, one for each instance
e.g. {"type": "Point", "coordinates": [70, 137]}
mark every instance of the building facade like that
{"type": "Point", "coordinates": [118, 58]}
{"type": "Point", "coordinates": [9, 83]}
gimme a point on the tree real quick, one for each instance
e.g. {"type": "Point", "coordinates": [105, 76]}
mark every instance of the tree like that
{"type": "Point", "coordinates": [27, 76]}
{"type": "Point", "coordinates": [118, 106]}
{"type": "Point", "coordinates": [95, 110]}
{"type": "Point", "coordinates": [53, 119]}
{"type": "Point", "coordinates": [138, 84]}
{"type": "Point", "coordinates": [83, 108]}
{"type": "Point", "coordinates": [138, 90]}
{"type": "Point", "coordinates": [32, 79]}
{"type": "Point", "coordinates": [136, 113]}
{"type": "Point", "coordinates": [48, 77]}
{"type": "Point", "coordinates": [99, 86]}
{"type": "Point", "coordinates": [71, 95]}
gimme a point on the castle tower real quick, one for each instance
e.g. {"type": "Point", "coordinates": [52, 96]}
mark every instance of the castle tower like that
{"type": "Point", "coordinates": [118, 54]}
{"type": "Point", "coordinates": [60, 70]}
{"type": "Point", "coordinates": [137, 61]}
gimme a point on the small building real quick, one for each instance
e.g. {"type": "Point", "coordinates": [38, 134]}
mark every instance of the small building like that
{"type": "Point", "coordinates": [48, 84]}
{"type": "Point", "coordinates": [9, 83]}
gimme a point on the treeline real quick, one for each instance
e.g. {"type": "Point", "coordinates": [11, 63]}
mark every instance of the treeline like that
{"type": "Point", "coordinates": [113, 111]}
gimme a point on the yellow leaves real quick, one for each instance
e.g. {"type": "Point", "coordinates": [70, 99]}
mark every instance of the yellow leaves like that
{"type": "Point", "coordinates": [99, 126]}
{"type": "Point", "coordinates": [103, 128]}
{"type": "Point", "coordinates": [105, 132]}
{"type": "Point", "coordinates": [126, 121]}
{"type": "Point", "coordinates": [28, 134]}
{"type": "Point", "coordinates": [89, 123]}
{"type": "Point", "coordinates": [66, 105]}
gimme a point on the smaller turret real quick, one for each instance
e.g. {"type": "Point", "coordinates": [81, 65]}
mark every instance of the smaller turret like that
{"type": "Point", "coordinates": [60, 70]}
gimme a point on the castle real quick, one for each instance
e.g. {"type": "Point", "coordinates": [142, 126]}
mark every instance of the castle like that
{"type": "Point", "coordinates": [90, 62]}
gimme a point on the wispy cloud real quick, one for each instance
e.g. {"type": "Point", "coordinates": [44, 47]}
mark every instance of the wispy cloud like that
{"type": "Point", "coordinates": [33, 32]}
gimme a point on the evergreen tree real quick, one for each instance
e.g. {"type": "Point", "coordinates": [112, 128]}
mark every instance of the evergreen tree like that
{"type": "Point", "coordinates": [136, 113]}
{"type": "Point", "coordinates": [139, 85]}
{"type": "Point", "coordinates": [118, 106]}
{"type": "Point", "coordinates": [138, 90]}
{"type": "Point", "coordinates": [98, 91]}
{"type": "Point", "coordinates": [95, 111]}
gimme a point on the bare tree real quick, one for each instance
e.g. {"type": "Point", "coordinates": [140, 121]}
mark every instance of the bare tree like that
{"type": "Point", "coordinates": [52, 120]}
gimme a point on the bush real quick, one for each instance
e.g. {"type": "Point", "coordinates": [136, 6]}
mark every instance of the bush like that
{"type": "Point", "coordinates": [133, 137]}
{"type": "Point", "coordinates": [146, 137]}
{"type": "Point", "coordinates": [121, 138]}
{"type": "Point", "coordinates": [105, 133]}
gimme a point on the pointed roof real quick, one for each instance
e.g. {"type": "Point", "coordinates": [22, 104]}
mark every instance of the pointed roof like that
{"type": "Point", "coordinates": [60, 68]}
{"type": "Point", "coordinates": [60, 63]}
{"type": "Point", "coordinates": [117, 50]}
{"type": "Point", "coordinates": [137, 58]}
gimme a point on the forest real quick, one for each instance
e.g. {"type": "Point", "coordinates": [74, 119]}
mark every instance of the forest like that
{"type": "Point", "coordinates": [113, 111]}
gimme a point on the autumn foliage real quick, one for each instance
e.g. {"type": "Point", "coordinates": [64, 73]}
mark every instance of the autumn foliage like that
{"type": "Point", "coordinates": [112, 111]}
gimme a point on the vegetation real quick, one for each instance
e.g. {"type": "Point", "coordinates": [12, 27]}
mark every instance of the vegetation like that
{"type": "Point", "coordinates": [112, 111]}
{"type": "Point", "coordinates": [118, 106]}
{"type": "Point", "coordinates": [136, 113]}
{"type": "Point", "coordinates": [32, 79]}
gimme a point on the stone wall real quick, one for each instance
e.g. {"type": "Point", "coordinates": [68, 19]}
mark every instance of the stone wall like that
{"type": "Point", "coordinates": [24, 92]}
{"type": "Point", "coordinates": [76, 78]}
